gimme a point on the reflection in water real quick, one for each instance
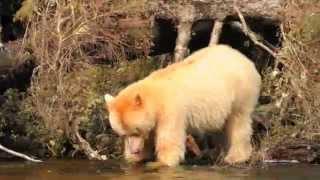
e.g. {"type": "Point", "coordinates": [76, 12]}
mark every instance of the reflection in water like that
{"type": "Point", "coordinates": [97, 170]}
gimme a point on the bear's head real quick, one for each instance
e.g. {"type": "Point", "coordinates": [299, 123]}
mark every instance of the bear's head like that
{"type": "Point", "coordinates": [130, 117]}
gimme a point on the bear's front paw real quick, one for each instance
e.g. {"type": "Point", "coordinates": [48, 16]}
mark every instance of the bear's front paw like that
{"type": "Point", "coordinates": [233, 158]}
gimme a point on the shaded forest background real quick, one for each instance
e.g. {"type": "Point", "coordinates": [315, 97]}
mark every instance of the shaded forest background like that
{"type": "Point", "coordinates": [60, 57]}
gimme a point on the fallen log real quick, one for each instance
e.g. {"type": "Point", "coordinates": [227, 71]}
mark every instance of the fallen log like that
{"type": "Point", "coordinates": [184, 13]}
{"type": "Point", "coordinates": [216, 9]}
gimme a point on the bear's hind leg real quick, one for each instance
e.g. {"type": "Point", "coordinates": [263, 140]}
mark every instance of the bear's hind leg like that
{"type": "Point", "coordinates": [238, 131]}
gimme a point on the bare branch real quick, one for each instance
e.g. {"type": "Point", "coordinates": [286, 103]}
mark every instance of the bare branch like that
{"type": "Point", "coordinates": [251, 34]}
{"type": "Point", "coordinates": [87, 149]}
{"type": "Point", "coordinates": [84, 144]}
{"type": "Point", "coordinates": [12, 152]}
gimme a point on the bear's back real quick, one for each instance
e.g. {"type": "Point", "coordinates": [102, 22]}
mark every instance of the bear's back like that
{"type": "Point", "coordinates": [206, 85]}
{"type": "Point", "coordinates": [214, 63]}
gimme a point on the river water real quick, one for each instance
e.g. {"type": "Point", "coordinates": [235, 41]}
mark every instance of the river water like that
{"type": "Point", "coordinates": [97, 170]}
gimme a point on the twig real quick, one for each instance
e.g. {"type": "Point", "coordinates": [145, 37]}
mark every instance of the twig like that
{"type": "Point", "coordinates": [12, 152]}
{"type": "Point", "coordinates": [250, 34]}
{"type": "Point", "coordinates": [216, 31]}
{"type": "Point", "coordinates": [239, 27]}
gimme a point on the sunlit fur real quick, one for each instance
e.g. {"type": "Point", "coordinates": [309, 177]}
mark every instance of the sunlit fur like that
{"type": "Point", "coordinates": [215, 88]}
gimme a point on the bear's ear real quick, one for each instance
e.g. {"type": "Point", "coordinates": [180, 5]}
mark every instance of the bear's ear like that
{"type": "Point", "coordinates": [138, 100]}
{"type": "Point", "coordinates": [108, 98]}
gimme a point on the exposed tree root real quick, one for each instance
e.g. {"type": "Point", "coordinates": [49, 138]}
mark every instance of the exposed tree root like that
{"type": "Point", "coordinates": [185, 20]}
{"type": "Point", "coordinates": [184, 28]}
{"type": "Point", "coordinates": [184, 36]}
{"type": "Point", "coordinates": [216, 31]}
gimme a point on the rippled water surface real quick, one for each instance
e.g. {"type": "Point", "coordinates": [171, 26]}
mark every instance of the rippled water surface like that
{"type": "Point", "coordinates": [94, 170]}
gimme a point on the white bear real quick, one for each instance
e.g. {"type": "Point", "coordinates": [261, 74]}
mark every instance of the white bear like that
{"type": "Point", "coordinates": [215, 88]}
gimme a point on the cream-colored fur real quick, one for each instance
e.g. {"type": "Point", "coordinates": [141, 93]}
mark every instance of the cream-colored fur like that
{"type": "Point", "coordinates": [215, 88]}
